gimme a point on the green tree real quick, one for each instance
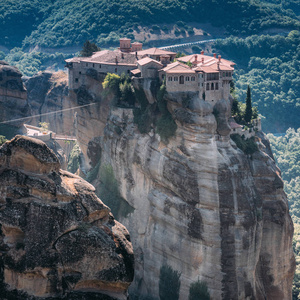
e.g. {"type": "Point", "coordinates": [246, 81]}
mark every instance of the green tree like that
{"type": "Point", "coordinates": [88, 49]}
{"type": "Point", "coordinates": [2, 139]}
{"type": "Point", "coordinates": [248, 112]}
{"type": "Point", "coordinates": [199, 291]}
{"type": "Point", "coordinates": [169, 283]}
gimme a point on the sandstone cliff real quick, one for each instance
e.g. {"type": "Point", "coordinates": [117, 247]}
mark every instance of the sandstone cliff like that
{"type": "Point", "coordinates": [13, 96]}
{"type": "Point", "coordinates": [57, 239]}
{"type": "Point", "coordinates": [200, 205]}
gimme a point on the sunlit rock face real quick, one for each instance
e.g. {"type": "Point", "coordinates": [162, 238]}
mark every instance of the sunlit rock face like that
{"type": "Point", "coordinates": [57, 239]}
{"type": "Point", "coordinates": [200, 205]}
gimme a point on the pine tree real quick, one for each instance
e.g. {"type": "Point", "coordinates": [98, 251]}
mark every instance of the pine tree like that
{"type": "Point", "coordinates": [248, 111]}
{"type": "Point", "coordinates": [88, 49]}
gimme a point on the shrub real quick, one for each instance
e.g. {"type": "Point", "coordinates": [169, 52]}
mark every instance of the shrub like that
{"type": "Point", "coordinates": [74, 159]}
{"type": "Point", "coordinates": [198, 290]}
{"type": "Point", "coordinates": [93, 173]}
{"type": "Point", "coordinates": [166, 127]}
{"type": "Point", "coordinates": [169, 283]}
{"type": "Point", "coordinates": [248, 146]}
{"type": "Point", "coordinates": [2, 139]}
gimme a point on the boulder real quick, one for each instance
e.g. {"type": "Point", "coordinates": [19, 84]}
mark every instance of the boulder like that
{"type": "Point", "coordinates": [57, 239]}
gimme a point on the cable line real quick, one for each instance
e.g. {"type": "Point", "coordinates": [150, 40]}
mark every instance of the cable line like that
{"type": "Point", "coordinates": [49, 113]}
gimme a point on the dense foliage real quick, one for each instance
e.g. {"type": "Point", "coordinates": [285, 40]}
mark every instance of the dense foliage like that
{"type": "Point", "coordinates": [199, 290]}
{"type": "Point", "coordinates": [169, 283]}
{"type": "Point", "coordinates": [271, 65]}
{"type": "Point", "coordinates": [88, 49]}
{"type": "Point", "coordinates": [33, 62]}
{"type": "Point", "coordinates": [286, 150]}
{"type": "Point", "coordinates": [59, 23]}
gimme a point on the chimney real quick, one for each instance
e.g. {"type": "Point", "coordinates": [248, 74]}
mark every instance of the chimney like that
{"type": "Point", "coordinates": [122, 55]}
{"type": "Point", "coordinates": [116, 59]}
{"type": "Point", "coordinates": [136, 54]}
{"type": "Point", "coordinates": [215, 55]}
{"type": "Point", "coordinates": [202, 52]}
{"type": "Point", "coordinates": [219, 58]}
{"type": "Point", "coordinates": [196, 58]}
{"type": "Point", "coordinates": [203, 60]}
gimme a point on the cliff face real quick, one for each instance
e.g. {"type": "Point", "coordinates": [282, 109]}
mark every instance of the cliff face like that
{"type": "Point", "coordinates": [13, 95]}
{"type": "Point", "coordinates": [57, 239]}
{"type": "Point", "coordinates": [200, 205]}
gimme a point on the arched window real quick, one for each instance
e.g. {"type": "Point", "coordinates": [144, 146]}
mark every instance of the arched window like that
{"type": "Point", "coordinates": [193, 78]}
{"type": "Point", "coordinates": [207, 86]}
{"type": "Point", "coordinates": [116, 70]}
{"type": "Point", "coordinates": [99, 66]}
{"type": "Point", "coordinates": [187, 78]}
{"type": "Point", "coordinates": [217, 85]}
{"type": "Point", "coordinates": [169, 78]}
{"type": "Point", "coordinates": [212, 86]}
{"type": "Point", "coordinates": [175, 78]}
{"type": "Point", "coordinates": [181, 79]}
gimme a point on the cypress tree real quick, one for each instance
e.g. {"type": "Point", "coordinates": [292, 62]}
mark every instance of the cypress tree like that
{"type": "Point", "coordinates": [248, 111]}
{"type": "Point", "coordinates": [88, 49]}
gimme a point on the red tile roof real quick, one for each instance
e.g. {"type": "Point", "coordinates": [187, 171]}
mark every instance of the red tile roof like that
{"type": "Point", "coordinates": [178, 67]}
{"type": "Point", "coordinates": [154, 51]}
{"type": "Point", "coordinates": [147, 60]}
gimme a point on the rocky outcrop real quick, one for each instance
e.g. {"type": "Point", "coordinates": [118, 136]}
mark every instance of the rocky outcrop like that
{"type": "Point", "coordinates": [48, 93]}
{"type": "Point", "coordinates": [13, 95]}
{"type": "Point", "coordinates": [57, 239]}
{"type": "Point", "coordinates": [201, 205]}
{"type": "Point", "coordinates": [198, 204]}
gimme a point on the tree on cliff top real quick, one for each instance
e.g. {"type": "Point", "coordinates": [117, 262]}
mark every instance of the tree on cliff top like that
{"type": "Point", "coordinates": [88, 49]}
{"type": "Point", "coordinates": [248, 112]}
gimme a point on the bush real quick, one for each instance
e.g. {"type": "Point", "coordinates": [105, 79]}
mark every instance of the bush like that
{"type": "Point", "coordinates": [166, 127]}
{"type": "Point", "coordinates": [198, 290]}
{"type": "Point", "coordinates": [169, 283]}
{"type": "Point", "coordinates": [2, 140]}
{"type": "Point", "coordinates": [248, 146]}
{"type": "Point", "coordinates": [74, 159]}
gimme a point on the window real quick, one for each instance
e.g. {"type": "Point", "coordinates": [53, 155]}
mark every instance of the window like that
{"type": "Point", "coordinates": [193, 78]}
{"type": "Point", "coordinates": [217, 85]}
{"type": "Point", "coordinates": [175, 78]}
{"type": "Point", "coordinates": [213, 76]}
{"type": "Point", "coordinates": [79, 72]}
{"type": "Point", "coordinates": [86, 64]}
{"type": "Point", "coordinates": [169, 78]}
{"type": "Point", "coordinates": [207, 86]}
{"type": "Point", "coordinates": [116, 70]}
{"type": "Point", "coordinates": [212, 86]}
{"type": "Point", "coordinates": [181, 79]}
{"type": "Point", "coordinates": [93, 65]}
{"type": "Point", "coordinates": [226, 74]}
{"type": "Point", "coordinates": [76, 79]}
{"type": "Point", "coordinates": [187, 78]}
{"type": "Point", "coordinates": [99, 66]}
{"type": "Point", "coordinates": [223, 74]}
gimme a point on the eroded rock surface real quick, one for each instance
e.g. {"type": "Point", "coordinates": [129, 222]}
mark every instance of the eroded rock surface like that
{"type": "Point", "coordinates": [201, 205]}
{"type": "Point", "coordinates": [57, 239]}
{"type": "Point", "coordinates": [13, 95]}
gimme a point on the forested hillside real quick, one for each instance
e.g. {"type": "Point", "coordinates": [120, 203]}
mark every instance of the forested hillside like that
{"type": "Point", "coordinates": [286, 150]}
{"type": "Point", "coordinates": [271, 66]}
{"type": "Point", "coordinates": [59, 23]}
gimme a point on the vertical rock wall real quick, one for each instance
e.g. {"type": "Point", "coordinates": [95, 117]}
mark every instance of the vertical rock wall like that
{"type": "Point", "coordinates": [202, 206]}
